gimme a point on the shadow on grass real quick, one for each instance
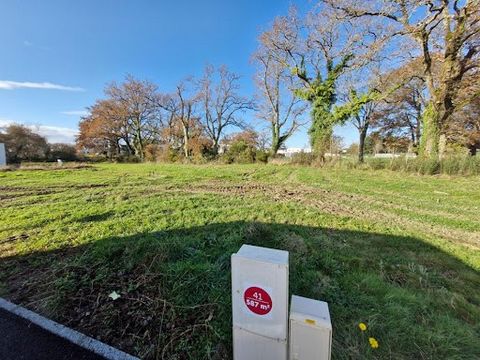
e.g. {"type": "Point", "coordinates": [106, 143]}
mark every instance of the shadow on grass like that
{"type": "Point", "coordinates": [418, 301]}
{"type": "Point", "coordinates": [96, 217]}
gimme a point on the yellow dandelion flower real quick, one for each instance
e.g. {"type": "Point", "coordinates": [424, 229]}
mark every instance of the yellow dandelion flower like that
{"type": "Point", "coordinates": [373, 342]}
{"type": "Point", "coordinates": [362, 326]}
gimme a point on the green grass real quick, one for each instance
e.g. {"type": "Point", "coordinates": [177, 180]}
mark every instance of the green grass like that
{"type": "Point", "coordinates": [398, 252]}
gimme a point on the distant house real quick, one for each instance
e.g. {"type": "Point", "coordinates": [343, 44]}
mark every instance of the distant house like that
{"type": "Point", "coordinates": [289, 152]}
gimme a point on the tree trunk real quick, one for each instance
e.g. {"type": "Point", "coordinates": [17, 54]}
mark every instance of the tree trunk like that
{"type": "Point", "coordinates": [413, 138]}
{"type": "Point", "coordinates": [430, 141]}
{"type": "Point", "coordinates": [109, 150]}
{"type": "Point", "coordinates": [323, 143]}
{"type": "Point", "coordinates": [442, 92]}
{"type": "Point", "coordinates": [418, 128]}
{"type": "Point", "coordinates": [275, 139]}
{"type": "Point", "coordinates": [139, 145]}
{"type": "Point", "coordinates": [130, 148]}
{"type": "Point", "coordinates": [117, 148]}
{"type": "Point", "coordinates": [472, 150]}
{"type": "Point", "coordinates": [361, 144]}
{"type": "Point", "coordinates": [185, 142]}
{"type": "Point", "coordinates": [215, 147]}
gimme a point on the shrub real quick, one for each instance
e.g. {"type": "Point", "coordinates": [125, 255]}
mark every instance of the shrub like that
{"type": "Point", "coordinates": [262, 156]}
{"type": "Point", "coordinates": [377, 164]}
{"type": "Point", "coordinates": [398, 164]}
{"type": "Point", "coordinates": [152, 152]}
{"type": "Point", "coordinates": [93, 158]}
{"type": "Point", "coordinates": [65, 152]}
{"type": "Point", "coordinates": [450, 165]}
{"type": "Point", "coordinates": [302, 158]}
{"type": "Point", "coordinates": [167, 154]}
{"type": "Point", "coordinates": [240, 152]}
{"type": "Point", "coordinates": [461, 165]}
{"type": "Point", "coordinates": [428, 166]}
{"type": "Point", "coordinates": [128, 159]}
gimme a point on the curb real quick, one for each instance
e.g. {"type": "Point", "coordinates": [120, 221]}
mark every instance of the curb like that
{"type": "Point", "coordinates": [66, 333]}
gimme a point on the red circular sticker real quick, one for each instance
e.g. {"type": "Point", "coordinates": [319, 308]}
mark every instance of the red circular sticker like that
{"type": "Point", "coordinates": [257, 300]}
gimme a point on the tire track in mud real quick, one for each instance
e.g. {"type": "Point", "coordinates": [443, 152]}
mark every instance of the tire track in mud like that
{"type": "Point", "coordinates": [338, 203]}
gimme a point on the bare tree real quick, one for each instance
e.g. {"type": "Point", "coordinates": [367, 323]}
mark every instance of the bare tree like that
{"type": "Point", "coordinates": [401, 113]}
{"type": "Point", "coordinates": [221, 104]}
{"type": "Point", "coordinates": [319, 49]}
{"type": "Point", "coordinates": [139, 103]}
{"type": "Point", "coordinates": [399, 109]}
{"type": "Point", "coordinates": [362, 121]}
{"type": "Point", "coordinates": [278, 103]}
{"type": "Point", "coordinates": [182, 106]}
{"type": "Point", "coordinates": [464, 129]}
{"type": "Point", "coordinates": [446, 33]}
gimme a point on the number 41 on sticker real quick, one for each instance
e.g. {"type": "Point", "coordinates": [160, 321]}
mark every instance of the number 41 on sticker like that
{"type": "Point", "coordinates": [257, 300]}
{"type": "Point", "coordinates": [257, 296]}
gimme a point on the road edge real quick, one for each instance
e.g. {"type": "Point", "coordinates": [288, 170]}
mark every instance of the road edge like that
{"type": "Point", "coordinates": [66, 333]}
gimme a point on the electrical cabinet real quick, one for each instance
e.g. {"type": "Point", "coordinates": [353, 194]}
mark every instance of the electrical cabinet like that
{"type": "Point", "coordinates": [310, 329]}
{"type": "Point", "coordinates": [260, 303]}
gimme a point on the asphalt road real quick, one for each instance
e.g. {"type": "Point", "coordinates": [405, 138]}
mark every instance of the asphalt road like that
{"type": "Point", "coordinates": [20, 339]}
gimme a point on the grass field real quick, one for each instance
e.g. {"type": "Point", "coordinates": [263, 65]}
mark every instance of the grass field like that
{"type": "Point", "coordinates": [397, 252]}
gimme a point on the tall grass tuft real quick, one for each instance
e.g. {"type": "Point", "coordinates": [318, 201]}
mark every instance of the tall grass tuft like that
{"type": "Point", "coordinates": [451, 165]}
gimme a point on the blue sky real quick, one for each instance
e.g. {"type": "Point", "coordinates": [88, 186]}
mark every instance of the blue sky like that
{"type": "Point", "coordinates": [58, 55]}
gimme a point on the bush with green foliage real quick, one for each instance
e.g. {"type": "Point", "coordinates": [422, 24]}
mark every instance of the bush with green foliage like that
{"type": "Point", "coordinates": [128, 159]}
{"type": "Point", "coordinates": [22, 144]}
{"type": "Point", "coordinates": [240, 152]}
{"type": "Point", "coordinates": [65, 152]}
{"type": "Point", "coordinates": [262, 156]}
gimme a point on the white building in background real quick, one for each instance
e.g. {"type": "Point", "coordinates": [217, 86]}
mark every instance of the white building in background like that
{"type": "Point", "coordinates": [289, 152]}
{"type": "Point", "coordinates": [393, 156]}
{"type": "Point", "coordinates": [3, 155]}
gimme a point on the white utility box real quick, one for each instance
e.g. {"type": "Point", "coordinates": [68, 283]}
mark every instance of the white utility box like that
{"type": "Point", "coordinates": [260, 303]}
{"type": "Point", "coordinates": [310, 329]}
{"type": "Point", "coordinates": [3, 155]}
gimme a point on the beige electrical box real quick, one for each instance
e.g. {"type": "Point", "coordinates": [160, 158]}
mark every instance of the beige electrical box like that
{"type": "Point", "coordinates": [260, 303]}
{"type": "Point", "coordinates": [310, 329]}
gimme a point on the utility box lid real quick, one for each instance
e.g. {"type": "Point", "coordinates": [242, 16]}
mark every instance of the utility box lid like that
{"type": "Point", "coordinates": [262, 254]}
{"type": "Point", "coordinates": [310, 312]}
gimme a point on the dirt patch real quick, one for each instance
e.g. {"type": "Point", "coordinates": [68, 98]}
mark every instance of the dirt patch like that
{"type": "Point", "coordinates": [9, 194]}
{"type": "Point", "coordinates": [14, 238]}
{"type": "Point", "coordinates": [55, 166]}
{"type": "Point", "coordinates": [338, 204]}
{"type": "Point", "coordinates": [89, 186]}
{"type": "Point", "coordinates": [16, 193]}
